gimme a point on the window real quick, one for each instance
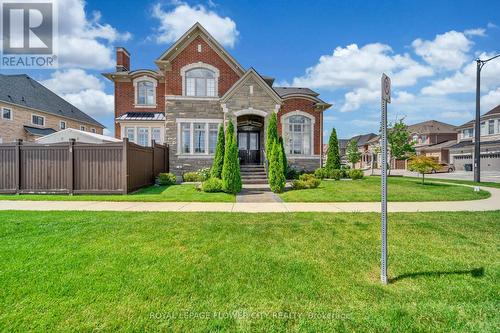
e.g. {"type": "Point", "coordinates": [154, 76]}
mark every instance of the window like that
{"type": "Point", "coordinates": [6, 114]}
{"type": "Point", "coordinates": [483, 128]}
{"type": "Point", "coordinates": [37, 120]}
{"type": "Point", "coordinates": [298, 135]}
{"type": "Point", "coordinates": [145, 93]}
{"type": "Point", "coordinates": [156, 134]}
{"type": "Point", "coordinates": [143, 136]}
{"type": "Point", "coordinates": [467, 133]}
{"type": "Point", "coordinates": [62, 125]}
{"type": "Point", "coordinates": [415, 138]}
{"type": "Point", "coordinates": [197, 136]}
{"type": "Point", "coordinates": [213, 131]}
{"type": "Point", "coordinates": [491, 127]}
{"type": "Point", "coordinates": [130, 133]}
{"type": "Point", "coordinates": [200, 82]}
{"type": "Point", "coordinates": [424, 138]}
{"type": "Point", "coordinates": [185, 138]}
{"type": "Point", "coordinates": [82, 128]}
{"type": "Point", "coordinates": [93, 130]}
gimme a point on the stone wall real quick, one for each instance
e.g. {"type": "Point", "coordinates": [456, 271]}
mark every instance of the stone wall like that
{"type": "Point", "coordinates": [304, 164]}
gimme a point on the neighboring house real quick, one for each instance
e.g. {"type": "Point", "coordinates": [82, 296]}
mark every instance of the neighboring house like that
{"type": "Point", "coordinates": [77, 135]}
{"type": "Point", "coordinates": [29, 111]}
{"type": "Point", "coordinates": [362, 142]}
{"type": "Point", "coordinates": [197, 87]}
{"type": "Point", "coordinates": [462, 152]}
{"type": "Point", "coordinates": [433, 139]}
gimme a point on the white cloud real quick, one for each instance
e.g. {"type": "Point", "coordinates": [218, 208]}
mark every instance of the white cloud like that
{"type": "Point", "coordinates": [174, 23]}
{"type": "Point", "coordinates": [475, 32]}
{"type": "Point", "coordinates": [83, 90]}
{"type": "Point", "coordinates": [447, 51]}
{"type": "Point", "coordinates": [490, 100]}
{"type": "Point", "coordinates": [403, 97]}
{"type": "Point", "coordinates": [354, 99]}
{"type": "Point", "coordinates": [464, 80]}
{"type": "Point", "coordinates": [355, 67]}
{"type": "Point", "coordinates": [71, 81]}
{"type": "Point", "coordinates": [84, 42]}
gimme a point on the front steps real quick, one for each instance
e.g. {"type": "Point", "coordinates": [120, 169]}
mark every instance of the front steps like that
{"type": "Point", "coordinates": [253, 174]}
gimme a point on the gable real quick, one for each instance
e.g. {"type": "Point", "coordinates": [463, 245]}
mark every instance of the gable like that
{"type": "Point", "coordinates": [200, 35]}
{"type": "Point", "coordinates": [252, 78]}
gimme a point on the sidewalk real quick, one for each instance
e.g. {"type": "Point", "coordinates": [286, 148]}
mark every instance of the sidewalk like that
{"type": "Point", "coordinates": [491, 203]}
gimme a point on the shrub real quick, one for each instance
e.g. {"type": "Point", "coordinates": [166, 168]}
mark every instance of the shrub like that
{"type": "Point", "coordinates": [283, 154]}
{"type": "Point", "coordinates": [212, 185]}
{"type": "Point", "coordinates": [292, 173]}
{"type": "Point", "coordinates": [299, 184]}
{"type": "Point", "coordinates": [167, 179]}
{"type": "Point", "coordinates": [337, 174]}
{"type": "Point", "coordinates": [332, 155]}
{"type": "Point", "coordinates": [356, 174]}
{"type": "Point", "coordinates": [216, 171]}
{"type": "Point", "coordinates": [204, 174]}
{"type": "Point", "coordinates": [271, 134]}
{"type": "Point", "coordinates": [191, 177]}
{"type": "Point", "coordinates": [345, 171]}
{"type": "Point", "coordinates": [305, 181]}
{"type": "Point", "coordinates": [277, 179]}
{"type": "Point", "coordinates": [321, 173]}
{"type": "Point", "coordinates": [231, 177]}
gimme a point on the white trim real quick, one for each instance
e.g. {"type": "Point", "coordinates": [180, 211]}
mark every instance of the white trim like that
{"type": "Point", "coordinates": [198, 120]}
{"type": "Point", "coordinates": [65, 125]}
{"type": "Point", "coordinates": [135, 82]}
{"type": "Point", "coordinates": [191, 122]}
{"type": "Point", "coordinates": [43, 117]}
{"type": "Point", "coordinates": [200, 65]}
{"type": "Point", "coordinates": [11, 114]}
{"type": "Point", "coordinates": [250, 110]}
{"type": "Point", "coordinates": [191, 98]}
{"type": "Point", "coordinates": [313, 121]}
{"type": "Point", "coordinates": [143, 124]}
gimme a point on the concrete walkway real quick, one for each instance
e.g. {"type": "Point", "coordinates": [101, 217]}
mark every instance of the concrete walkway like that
{"type": "Point", "coordinates": [492, 203]}
{"type": "Point", "coordinates": [257, 193]}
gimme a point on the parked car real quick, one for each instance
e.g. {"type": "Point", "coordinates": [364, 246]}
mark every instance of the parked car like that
{"type": "Point", "coordinates": [444, 167]}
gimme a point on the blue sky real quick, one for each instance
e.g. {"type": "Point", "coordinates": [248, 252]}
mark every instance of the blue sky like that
{"type": "Point", "coordinates": [339, 48]}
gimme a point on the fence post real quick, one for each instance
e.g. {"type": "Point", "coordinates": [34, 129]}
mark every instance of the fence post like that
{"type": "Point", "coordinates": [71, 172]}
{"type": "Point", "coordinates": [153, 166]}
{"type": "Point", "coordinates": [18, 172]}
{"type": "Point", "coordinates": [166, 166]}
{"type": "Point", "coordinates": [125, 166]}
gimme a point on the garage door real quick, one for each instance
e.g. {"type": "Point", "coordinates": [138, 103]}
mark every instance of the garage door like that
{"type": "Point", "coordinates": [490, 162]}
{"type": "Point", "coordinates": [461, 160]}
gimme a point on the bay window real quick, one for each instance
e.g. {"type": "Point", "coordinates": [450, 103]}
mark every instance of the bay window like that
{"type": "Point", "coordinates": [298, 134]}
{"type": "Point", "coordinates": [143, 136]}
{"type": "Point", "coordinates": [130, 133]}
{"type": "Point", "coordinates": [156, 134]}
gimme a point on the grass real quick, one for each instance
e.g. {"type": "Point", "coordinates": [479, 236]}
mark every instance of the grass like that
{"type": "Point", "coordinates": [368, 189]}
{"type": "Point", "coordinates": [183, 192]}
{"type": "Point", "coordinates": [467, 182]}
{"type": "Point", "coordinates": [193, 272]}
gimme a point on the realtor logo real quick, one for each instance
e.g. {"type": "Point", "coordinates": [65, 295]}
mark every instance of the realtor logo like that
{"type": "Point", "coordinates": [28, 34]}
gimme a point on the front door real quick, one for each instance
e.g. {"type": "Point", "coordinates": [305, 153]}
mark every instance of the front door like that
{"type": "Point", "coordinates": [248, 147]}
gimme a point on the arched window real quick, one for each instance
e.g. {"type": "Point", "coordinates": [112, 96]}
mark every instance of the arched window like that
{"type": "Point", "coordinates": [200, 82]}
{"type": "Point", "coordinates": [145, 93]}
{"type": "Point", "coordinates": [298, 135]}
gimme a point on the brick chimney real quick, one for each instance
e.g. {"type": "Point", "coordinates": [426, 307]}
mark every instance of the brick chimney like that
{"type": "Point", "coordinates": [122, 60]}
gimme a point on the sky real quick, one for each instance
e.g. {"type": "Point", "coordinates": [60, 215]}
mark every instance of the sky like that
{"type": "Point", "coordinates": [338, 48]}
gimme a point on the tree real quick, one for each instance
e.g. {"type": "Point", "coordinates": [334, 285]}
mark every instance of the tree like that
{"type": "Point", "coordinates": [422, 164]}
{"type": "Point", "coordinates": [283, 156]}
{"type": "Point", "coordinates": [333, 156]}
{"type": "Point", "coordinates": [276, 174]}
{"type": "Point", "coordinates": [272, 133]}
{"type": "Point", "coordinates": [352, 152]}
{"type": "Point", "coordinates": [231, 177]}
{"type": "Point", "coordinates": [399, 140]}
{"type": "Point", "coordinates": [216, 171]}
{"type": "Point", "coordinates": [375, 149]}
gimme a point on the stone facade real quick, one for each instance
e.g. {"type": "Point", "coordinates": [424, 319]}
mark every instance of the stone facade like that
{"type": "Point", "coordinates": [308, 164]}
{"type": "Point", "coordinates": [13, 129]}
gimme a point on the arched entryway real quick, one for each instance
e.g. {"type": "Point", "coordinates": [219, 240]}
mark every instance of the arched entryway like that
{"type": "Point", "coordinates": [250, 139]}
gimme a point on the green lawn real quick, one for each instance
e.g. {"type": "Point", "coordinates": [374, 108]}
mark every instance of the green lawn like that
{"type": "Point", "coordinates": [368, 189]}
{"type": "Point", "coordinates": [466, 182]}
{"type": "Point", "coordinates": [183, 192]}
{"type": "Point", "coordinates": [193, 272]}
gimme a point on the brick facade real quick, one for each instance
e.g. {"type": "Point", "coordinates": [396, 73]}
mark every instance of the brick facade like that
{"type": "Point", "coordinates": [13, 129]}
{"type": "Point", "coordinates": [304, 105]}
{"type": "Point", "coordinates": [190, 55]}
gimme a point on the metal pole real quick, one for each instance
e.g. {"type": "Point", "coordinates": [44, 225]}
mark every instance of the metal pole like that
{"type": "Point", "coordinates": [477, 125]}
{"type": "Point", "coordinates": [383, 270]}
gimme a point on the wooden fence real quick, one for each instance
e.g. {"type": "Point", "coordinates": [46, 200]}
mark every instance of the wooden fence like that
{"type": "Point", "coordinates": [79, 168]}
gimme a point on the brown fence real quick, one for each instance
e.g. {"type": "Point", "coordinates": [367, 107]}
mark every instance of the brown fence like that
{"type": "Point", "coordinates": [79, 167]}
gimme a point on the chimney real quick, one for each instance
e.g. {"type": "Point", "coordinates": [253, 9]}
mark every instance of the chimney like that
{"type": "Point", "coordinates": [122, 60]}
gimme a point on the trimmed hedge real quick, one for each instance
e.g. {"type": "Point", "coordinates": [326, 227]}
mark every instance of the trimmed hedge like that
{"type": "Point", "coordinates": [356, 174]}
{"type": "Point", "coordinates": [277, 179]}
{"type": "Point", "coordinates": [192, 177]}
{"type": "Point", "coordinates": [166, 179]}
{"type": "Point", "coordinates": [231, 177]}
{"type": "Point", "coordinates": [306, 181]}
{"type": "Point", "coordinates": [216, 171]}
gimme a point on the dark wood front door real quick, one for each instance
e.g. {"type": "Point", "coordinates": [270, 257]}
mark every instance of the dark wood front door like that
{"type": "Point", "coordinates": [249, 147]}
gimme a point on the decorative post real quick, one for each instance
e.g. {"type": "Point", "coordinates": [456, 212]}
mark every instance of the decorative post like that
{"type": "Point", "coordinates": [125, 166]}
{"type": "Point", "coordinates": [17, 173]}
{"type": "Point", "coordinates": [71, 169]}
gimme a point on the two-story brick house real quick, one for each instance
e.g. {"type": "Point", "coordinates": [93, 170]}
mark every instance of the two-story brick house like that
{"type": "Point", "coordinates": [28, 111]}
{"type": "Point", "coordinates": [463, 151]}
{"type": "Point", "coordinates": [198, 86]}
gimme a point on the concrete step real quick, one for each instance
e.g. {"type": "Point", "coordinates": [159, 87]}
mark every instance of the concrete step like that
{"type": "Point", "coordinates": [254, 181]}
{"type": "Point", "coordinates": [253, 176]}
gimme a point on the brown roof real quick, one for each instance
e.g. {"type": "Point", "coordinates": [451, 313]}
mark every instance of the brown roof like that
{"type": "Point", "coordinates": [431, 126]}
{"type": "Point", "coordinates": [494, 111]}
